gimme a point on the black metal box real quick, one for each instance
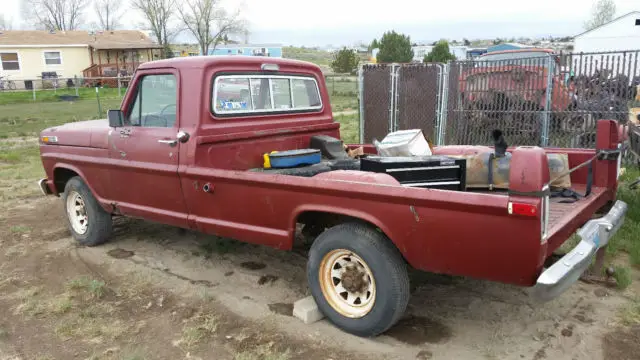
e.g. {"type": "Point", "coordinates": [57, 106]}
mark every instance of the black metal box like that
{"type": "Point", "coordinates": [435, 172]}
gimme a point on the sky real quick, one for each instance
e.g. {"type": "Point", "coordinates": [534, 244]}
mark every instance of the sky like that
{"type": "Point", "coordinates": [346, 22]}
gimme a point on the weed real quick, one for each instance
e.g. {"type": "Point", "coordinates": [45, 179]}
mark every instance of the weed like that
{"type": "Point", "coordinates": [199, 328]}
{"type": "Point", "coordinates": [263, 352]}
{"type": "Point", "coordinates": [20, 229]}
{"type": "Point", "coordinates": [631, 313]}
{"type": "Point", "coordinates": [622, 275]}
{"type": "Point", "coordinates": [3, 333]}
{"type": "Point", "coordinates": [95, 288]}
{"type": "Point", "coordinates": [60, 305]}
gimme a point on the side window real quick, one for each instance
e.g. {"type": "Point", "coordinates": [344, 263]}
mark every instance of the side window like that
{"type": "Point", "coordinates": [305, 93]}
{"type": "Point", "coordinates": [155, 103]}
{"type": "Point", "coordinates": [236, 94]}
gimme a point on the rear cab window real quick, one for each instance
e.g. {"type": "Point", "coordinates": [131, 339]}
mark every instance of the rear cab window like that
{"type": "Point", "coordinates": [244, 95]}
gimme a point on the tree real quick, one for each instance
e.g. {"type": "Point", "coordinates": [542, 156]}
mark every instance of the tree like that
{"type": "Point", "coordinates": [439, 53]}
{"type": "Point", "coordinates": [602, 12]}
{"type": "Point", "coordinates": [158, 15]}
{"type": "Point", "coordinates": [5, 23]}
{"type": "Point", "coordinates": [374, 45]}
{"type": "Point", "coordinates": [108, 12]}
{"type": "Point", "coordinates": [54, 14]}
{"type": "Point", "coordinates": [395, 47]}
{"type": "Point", "coordinates": [208, 22]}
{"type": "Point", "coordinates": [466, 42]}
{"type": "Point", "coordinates": [345, 61]}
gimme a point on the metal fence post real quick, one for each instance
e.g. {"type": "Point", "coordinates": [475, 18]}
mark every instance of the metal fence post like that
{"type": "Point", "coordinates": [444, 107]}
{"type": "Point", "coordinates": [99, 105]}
{"type": "Point", "coordinates": [33, 88]}
{"type": "Point", "coordinates": [360, 101]}
{"type": "Point", "coordinates": [438, 104]}
{"type": "Point", "coordinates": [119, 87]}
{"type": "Point", "coordinates": [391, 92]}
{"type": "Point", "coordinates": [548, 102]}
{"type": "Point", "coordinates": [396, 97]}
{"type": "Point", "coordinates": [75, 82]}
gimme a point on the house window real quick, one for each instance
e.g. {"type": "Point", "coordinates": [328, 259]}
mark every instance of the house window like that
{"type": "Point", "coordinates": [9, 61]}
{"type": "Point", "coordinates": [52, 58]}
{"type": "Point", "coordinates": [637, 22]}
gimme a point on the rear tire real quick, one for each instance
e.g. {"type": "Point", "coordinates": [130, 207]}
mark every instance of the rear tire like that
{"type": "Point", "coordinates": [358, 279]}
{"type": "Point", "coordinates": [89, 224]}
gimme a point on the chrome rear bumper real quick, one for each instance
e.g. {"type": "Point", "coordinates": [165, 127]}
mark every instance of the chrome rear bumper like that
{"type": "Point", "coordinates": [593, 235]}
{"type": "Point", "coordinates": [44, 187]}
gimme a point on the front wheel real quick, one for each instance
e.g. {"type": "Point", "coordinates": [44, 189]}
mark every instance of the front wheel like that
{"type": "Point", "coordinates": [358, 279]}
{"type": "Point", "coordinates": [89, 224]}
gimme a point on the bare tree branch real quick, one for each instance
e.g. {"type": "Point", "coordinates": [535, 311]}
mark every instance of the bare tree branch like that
{"type": "Point", "coordinates": [108, 12]}
{"type": "Point", "coordinates": [603, 11]}
{"type": "Point", "coordinates": [208, 22]}
{"type": "Point", "coordinates": [54, 14]}
{"type": "Point", "coordinates": [158, 15]}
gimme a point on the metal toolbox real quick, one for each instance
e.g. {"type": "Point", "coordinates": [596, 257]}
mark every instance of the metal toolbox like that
{"type": "Point", "coordinates": [435, 172]}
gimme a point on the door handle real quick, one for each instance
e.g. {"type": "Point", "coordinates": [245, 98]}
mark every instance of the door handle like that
{"type": "Point", "coordinates": [169, 142]}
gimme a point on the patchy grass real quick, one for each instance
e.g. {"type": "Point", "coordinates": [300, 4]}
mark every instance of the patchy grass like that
{"type": "Point", "coordinates": [95, 288]}
{"type": "Point", "coordinates": [630, 314]}
{"type": "Point", "coordinates": [18, 120]}
{"type": "Point", "coordinates": [626, 239]}
{"type": "Point", "coordinates": [622, 275]}
{"type": "Point", "coordinates": [20, 168]}
{"type": "Point", "coordinates": [263, 352]}
{"type": "Point", "coordinates": [26, 97]}
{"type": "Point", "coordinates": [349, 128]}
{"type": "Point", "coordinates": [20, 229]}
{"type": "Point", "coordinates": [198, 329]}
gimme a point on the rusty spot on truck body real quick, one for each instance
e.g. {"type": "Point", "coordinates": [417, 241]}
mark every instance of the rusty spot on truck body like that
{"type": "Point", "coordinates": [415, 213]}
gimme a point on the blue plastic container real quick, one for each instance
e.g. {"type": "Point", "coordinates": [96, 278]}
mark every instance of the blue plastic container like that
{"type": "Point", "coordinates": [294, 158]}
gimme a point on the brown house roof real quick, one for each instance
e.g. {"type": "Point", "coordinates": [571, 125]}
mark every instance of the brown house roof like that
{"type": "Point", "coordinates": [112, 39]}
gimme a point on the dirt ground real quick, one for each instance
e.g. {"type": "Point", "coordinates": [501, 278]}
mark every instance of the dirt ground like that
{"type": "Point", "coordinates": [157, 292]}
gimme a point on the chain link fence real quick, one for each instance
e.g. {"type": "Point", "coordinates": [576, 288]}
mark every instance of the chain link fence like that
{"type": "Point", "coordinates": [28, 106]}
{"type": "Point", "coordinates": [535, 97]}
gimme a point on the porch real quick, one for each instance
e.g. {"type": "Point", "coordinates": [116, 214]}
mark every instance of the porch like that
{"type": "Point", "coordinates": [118, 62]}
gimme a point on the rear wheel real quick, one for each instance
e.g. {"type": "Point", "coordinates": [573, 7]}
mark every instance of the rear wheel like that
{"type": "Point", "coordinates": [358, 279]}
{"type": "Point", "coordinates": [89, 224]}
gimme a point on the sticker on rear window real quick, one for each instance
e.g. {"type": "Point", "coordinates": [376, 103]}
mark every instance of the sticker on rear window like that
{"type": "Point", "coordinates": [233, 105]}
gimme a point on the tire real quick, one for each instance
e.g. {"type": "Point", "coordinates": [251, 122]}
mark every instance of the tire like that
{"type": "Point", "coordinates": [390, 292]}
{"type": "Point", "coordinates": [80, 203]}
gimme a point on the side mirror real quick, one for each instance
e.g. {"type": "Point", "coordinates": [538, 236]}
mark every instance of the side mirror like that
{"type": "Point", "coordinates": [115, 118]}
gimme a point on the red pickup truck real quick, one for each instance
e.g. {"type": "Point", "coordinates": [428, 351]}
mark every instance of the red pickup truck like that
{"type": "Point", "coordinates": [181, 151]}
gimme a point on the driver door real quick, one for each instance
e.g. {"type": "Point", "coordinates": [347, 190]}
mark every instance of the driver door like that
{"type": "Point", "coordinates": [144, 151]}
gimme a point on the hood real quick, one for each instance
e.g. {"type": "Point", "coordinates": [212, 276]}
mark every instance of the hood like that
{"type": "Point", "coordinates": [91, 133]}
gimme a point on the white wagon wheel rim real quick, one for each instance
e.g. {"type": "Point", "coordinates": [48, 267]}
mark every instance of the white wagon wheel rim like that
{"type": "Point", "coordinates": [77, 213]}
{"type": "Point", "coordinates": [347, 283]}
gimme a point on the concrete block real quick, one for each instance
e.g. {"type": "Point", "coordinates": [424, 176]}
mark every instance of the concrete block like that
{"type": "Point", "coordinates": [307, 310]}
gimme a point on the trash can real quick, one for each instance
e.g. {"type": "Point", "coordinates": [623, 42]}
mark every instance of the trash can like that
{"type": "Point", "coordinates": [28, 84]}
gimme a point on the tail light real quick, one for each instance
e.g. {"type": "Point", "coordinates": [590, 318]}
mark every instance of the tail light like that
{"type": "Point", "coordinates": [531, 210]}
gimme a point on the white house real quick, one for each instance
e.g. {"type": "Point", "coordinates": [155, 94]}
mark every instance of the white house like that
{"type": "Point", "coordinates": [619, 34]}
{"type": "Point", "coordinates": [614, 46]}
{"type": "Point", "coordinates": [419, 52]}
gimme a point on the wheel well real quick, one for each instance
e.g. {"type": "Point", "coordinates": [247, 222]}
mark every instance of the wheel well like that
{"type": "Point", "coordinates": [321, 220]}
{"type": "Point", "coordinates": [315, 222]}
{"type": "Point", "coordinates": [61, 176]}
